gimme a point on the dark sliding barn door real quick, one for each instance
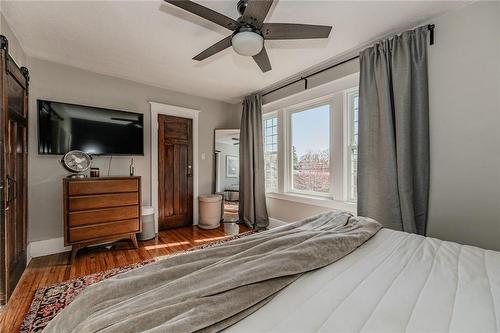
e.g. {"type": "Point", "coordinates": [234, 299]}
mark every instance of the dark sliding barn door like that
{"type": "Point", "coordinates": [14, 170]}
{"type": "Point", "coordinates": [175, 172]}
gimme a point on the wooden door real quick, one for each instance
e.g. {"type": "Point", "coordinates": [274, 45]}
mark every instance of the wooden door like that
{"type": "Point", "coordinates": [175, 172]}
{"type": "Point", "coordinates": [14, 172]}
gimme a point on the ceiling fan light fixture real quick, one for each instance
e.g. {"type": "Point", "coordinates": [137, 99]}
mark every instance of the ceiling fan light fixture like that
{"type": "Point", "coordinates": [247, 43]}
{"type": "Point", "coordinates": [249, 30]}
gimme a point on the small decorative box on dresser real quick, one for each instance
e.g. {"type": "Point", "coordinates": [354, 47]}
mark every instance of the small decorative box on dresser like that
{"type": "Point", "coordinates": [99, 210]}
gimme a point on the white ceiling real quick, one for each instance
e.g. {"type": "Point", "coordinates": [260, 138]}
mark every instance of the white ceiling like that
{"type": "Point", "coordinates": [153, 42]}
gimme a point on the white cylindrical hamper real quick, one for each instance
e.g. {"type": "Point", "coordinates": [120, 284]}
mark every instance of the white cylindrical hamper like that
{"type": "Point", "coordinates": [210, 211]}
{"type": "Point", "coordinates": [148, 223]}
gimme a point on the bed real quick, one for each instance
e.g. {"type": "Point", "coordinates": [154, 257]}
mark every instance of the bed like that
{"type": "Point", "coordinates": [395, 282]}
{"type": "Point", "coordinates": [385, 281]}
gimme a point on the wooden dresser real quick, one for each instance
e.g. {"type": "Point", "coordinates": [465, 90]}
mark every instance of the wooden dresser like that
{"type": "Point", "coordinates": [99, 210]}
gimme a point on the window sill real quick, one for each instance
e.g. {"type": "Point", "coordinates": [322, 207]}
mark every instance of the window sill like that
{"type": "Point", "coordinates": [315, 201]}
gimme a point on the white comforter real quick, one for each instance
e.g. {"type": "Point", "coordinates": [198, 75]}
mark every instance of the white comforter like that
{"type": "Point", "coordinates": [395, 282]}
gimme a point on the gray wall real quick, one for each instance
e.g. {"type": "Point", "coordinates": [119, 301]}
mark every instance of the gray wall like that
{"type": "Point", "coordinates": [464, 75]}
{"type": "Point", "coordinates": [464, 83]}
{"type": "Point", "coordinates": [62, 83]}
{"type": "Point", "coordinates": [289, 211]}
{"type": "Point", "coordinates": [15, 49]}
{"type": "Point", "coordinates": [327, 76]}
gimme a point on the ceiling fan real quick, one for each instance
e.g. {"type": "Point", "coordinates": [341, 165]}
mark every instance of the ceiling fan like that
{"type": "Point", "coordinates": [249, 30]}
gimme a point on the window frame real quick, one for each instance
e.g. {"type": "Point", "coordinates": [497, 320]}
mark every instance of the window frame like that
{"type": "Point", "coordinates": [265, 117]}
{"type": "Point", "coordinates": [350, 94]}
{"type": "Point", "coordinates": [334, 93]}
{"type": "Point", "coordinates": [288, 157]}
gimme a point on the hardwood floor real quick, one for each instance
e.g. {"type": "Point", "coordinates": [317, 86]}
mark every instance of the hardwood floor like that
{"type": "Point", "coordinates": [51, 269]}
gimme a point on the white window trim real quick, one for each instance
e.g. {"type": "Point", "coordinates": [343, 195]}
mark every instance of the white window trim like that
{"type": "Point", "coordinates": [340, 88]}
{"type": "Point", "coordinates": [287, 152]}
{"type": "Point", "coordinates": [347, 137]}
{"type": "Point", "coordinates": [269, 115]}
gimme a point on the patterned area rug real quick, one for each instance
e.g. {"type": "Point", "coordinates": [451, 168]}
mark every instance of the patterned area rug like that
{"type": "Point", "coordinates": [50, 300]}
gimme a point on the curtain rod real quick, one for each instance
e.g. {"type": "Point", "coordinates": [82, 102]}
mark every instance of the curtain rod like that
{"type": "Point", "coordinates": [304, 78]}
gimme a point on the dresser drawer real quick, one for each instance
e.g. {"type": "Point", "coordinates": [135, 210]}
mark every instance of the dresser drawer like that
{"type": "Point", "coordinates": [94, 216]}
{"type": "Point", "coordinates": [84, 187]}
{"type": "Point", "coordinates": [102, 201]}
{"type": "Point", "coordinates": [78, 234]}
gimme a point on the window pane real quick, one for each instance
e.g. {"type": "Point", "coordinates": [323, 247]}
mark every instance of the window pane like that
{"type": "Point", "coordinates": [271, 153]}
{"type": "Point", "coordinates": [310, 150]}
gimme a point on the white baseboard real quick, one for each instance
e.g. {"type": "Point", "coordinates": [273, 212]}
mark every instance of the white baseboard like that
{"type": "Point", "coordinates": [56, 245]}
{"type": "Point", "coordinates": [46, 247]}
{"type": "Point", "coordinates": [273, 223]}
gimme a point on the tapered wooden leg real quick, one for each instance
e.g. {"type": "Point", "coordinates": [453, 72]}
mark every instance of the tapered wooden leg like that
{"type": "Point", "coordinates": [74, 250]}
{"type": "Point", "coordinates": [133, 238]}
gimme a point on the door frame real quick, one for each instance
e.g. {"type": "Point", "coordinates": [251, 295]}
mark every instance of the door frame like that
{"type": "Point", "coordinates": [176, 111]}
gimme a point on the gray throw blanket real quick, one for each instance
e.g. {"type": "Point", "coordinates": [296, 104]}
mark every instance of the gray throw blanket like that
{"type": "Point", "coordinates": [210, 289]}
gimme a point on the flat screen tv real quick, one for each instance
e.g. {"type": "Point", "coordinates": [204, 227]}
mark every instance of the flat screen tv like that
{"type": "Point", "coordinates": [63, 127]}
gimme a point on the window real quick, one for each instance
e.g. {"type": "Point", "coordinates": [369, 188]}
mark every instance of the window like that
{"type": "Point", "coordinates": [310, 150]}
{"type": "Point", "coordinates": [270, 131]}
{"type": "Point", "coordinates": [316, 144]}
{"type": "Point", "coordinates": [352, 145]}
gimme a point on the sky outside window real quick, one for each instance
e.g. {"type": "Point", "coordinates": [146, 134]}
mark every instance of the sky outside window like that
{"type": "Point", "coordinates": [311, 130]}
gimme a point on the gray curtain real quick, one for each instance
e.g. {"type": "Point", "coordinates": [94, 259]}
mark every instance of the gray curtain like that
{"type": "Point", "coordinates": [252, 208]}
{"type": "Point", "coordinates": [393, 162]}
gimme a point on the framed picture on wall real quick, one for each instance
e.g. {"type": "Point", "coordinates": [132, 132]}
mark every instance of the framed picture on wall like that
{"type": "Point", "coordinates": [232, 166]}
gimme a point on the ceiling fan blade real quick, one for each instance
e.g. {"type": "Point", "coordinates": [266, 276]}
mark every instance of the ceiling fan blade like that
{"type": "Point", "coordinates": [295, 31]}
{"type": "Point", "coordinates": [256, 11]}
{"type": "Point", "coordinates": [217, 47]}
{"type": "Point", "coordinates": [206, 13]}
{"type": "Point", "coordinates": [263, 60]}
